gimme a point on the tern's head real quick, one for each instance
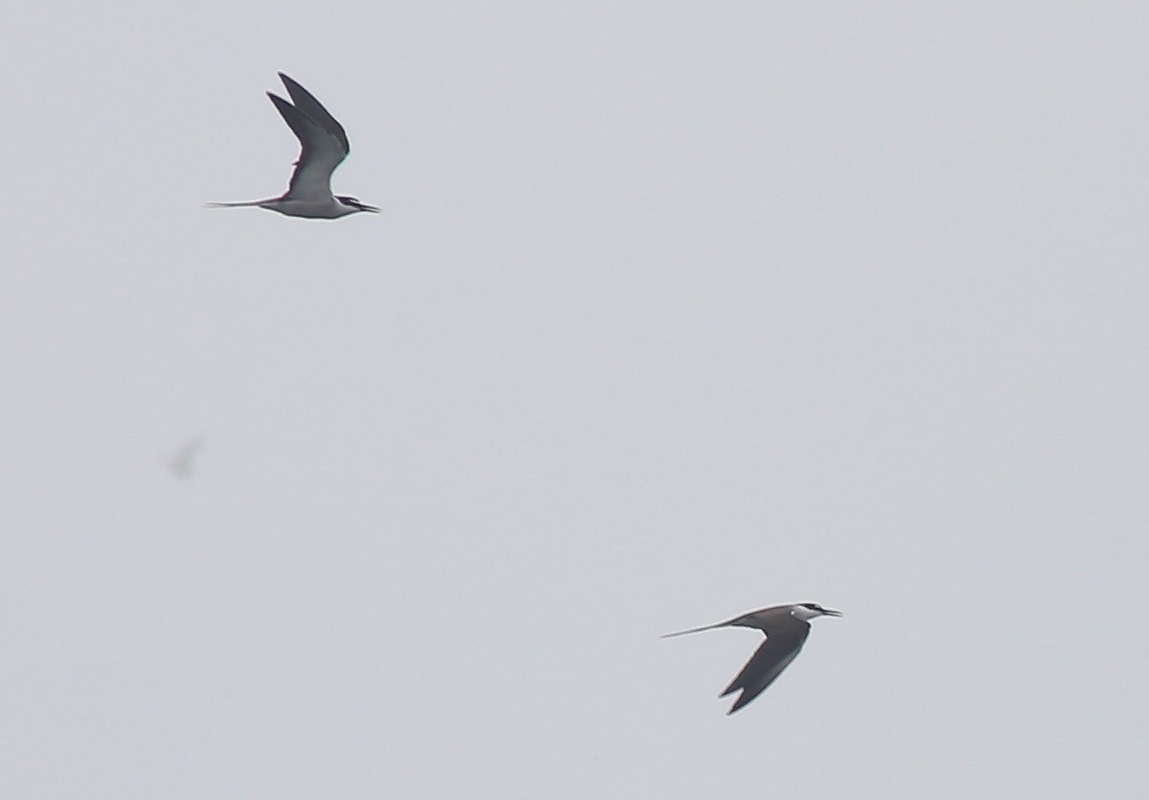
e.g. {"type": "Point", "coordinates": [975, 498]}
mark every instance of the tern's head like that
{"type": "Point", "coordinates": [353, 202]}
{"type": "Point", "coordinates": [808, 611]}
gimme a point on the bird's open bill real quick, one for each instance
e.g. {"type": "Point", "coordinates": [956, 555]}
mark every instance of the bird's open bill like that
{"type": "Point", "coordinates": [786, 628]}
{"type": "Point", "coordinates": [323, 146]}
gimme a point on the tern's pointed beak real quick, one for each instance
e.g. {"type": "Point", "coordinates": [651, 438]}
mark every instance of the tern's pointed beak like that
{"type": "Point", "coordinates": [829, 612]}
{"type": "Point", "coordinates": [366, 207]}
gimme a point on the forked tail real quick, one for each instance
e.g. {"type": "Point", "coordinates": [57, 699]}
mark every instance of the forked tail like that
{"type": "Point", "coordinates": [694, 630]}
{"type": "Point", "coordinates": [255, 203]}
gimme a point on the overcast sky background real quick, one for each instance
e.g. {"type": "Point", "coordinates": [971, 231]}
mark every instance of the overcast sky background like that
{"type": "Point", "coordinates": [674, 311]}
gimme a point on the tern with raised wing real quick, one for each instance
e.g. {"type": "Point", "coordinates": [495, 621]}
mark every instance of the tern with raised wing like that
{"type": "Point", "coordinates": [324, 145]}
{"type": "Point", "coordinates": [786, 628]}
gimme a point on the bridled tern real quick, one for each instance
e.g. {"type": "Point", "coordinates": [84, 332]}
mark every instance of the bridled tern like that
{"type": "Point", "coordinates": [324, 146]}
{"type": "Point", "coordinates": [786, 628]}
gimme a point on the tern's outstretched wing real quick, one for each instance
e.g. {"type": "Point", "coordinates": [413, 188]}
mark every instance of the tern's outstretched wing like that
{"type": "Point", "coordinates": [321, 152]}
{"type": "Point", "coordinates": [774, 655]}
{"type": "Point", "coordinates": [305, 101]}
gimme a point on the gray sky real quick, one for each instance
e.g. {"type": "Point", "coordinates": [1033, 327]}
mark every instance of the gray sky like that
{"type": "Point", "coordinates": [674, 310]}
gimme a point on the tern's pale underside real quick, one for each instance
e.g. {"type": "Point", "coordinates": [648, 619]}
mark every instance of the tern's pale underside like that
{"type": "Point", "coordinates": [324, 146]}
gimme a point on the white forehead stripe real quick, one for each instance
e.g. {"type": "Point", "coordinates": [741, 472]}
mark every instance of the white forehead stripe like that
{"type": "Point", "coordinates": [804, 614]}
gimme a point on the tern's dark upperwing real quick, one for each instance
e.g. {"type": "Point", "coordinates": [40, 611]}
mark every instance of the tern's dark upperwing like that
{"type": "Point", "coordinates": [305, 101]}
{"type": "Point", "coordinates": [782, 646]}
{"type": "Point", "coordinates": [322, 149]}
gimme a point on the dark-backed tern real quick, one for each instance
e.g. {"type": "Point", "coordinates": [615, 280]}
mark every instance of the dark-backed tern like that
{"type": "Point", "coordinates": [324, 146]}
{"type": "Point", "coordinates": [786, 628]}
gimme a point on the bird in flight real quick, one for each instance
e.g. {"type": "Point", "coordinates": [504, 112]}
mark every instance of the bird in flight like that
{"type": "Point", "coordinates": [786, 628]}
{"type": "Point", "coordinates": [323, 147]}
{"type": "Point", "coordinates": [182, 464]}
